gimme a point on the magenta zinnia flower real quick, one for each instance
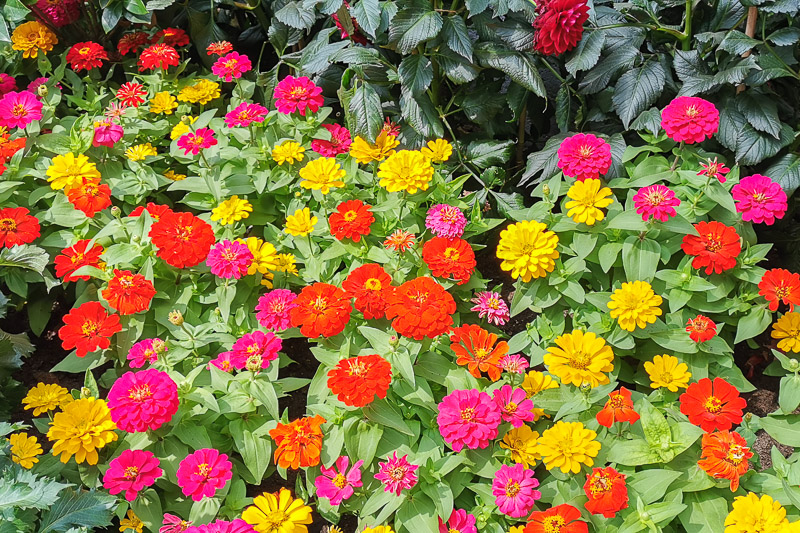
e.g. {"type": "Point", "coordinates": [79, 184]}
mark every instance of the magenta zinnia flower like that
{"type": "Point", "coordinates": [714, 170]}
{"type": "Point", "coordinates": [231, 66]}
{"type": "Point", "coordinates": [203, 472]}
{"type": "Point", "coordinates": [143, 400]}
{"type": "Point", "coordinates": [7, 83]}
{"type": "Point", "coordinates": [223, 526]}
{"type": "Point", "coordinates": [18, 109]}
{"type": "Point", "coordinates": [690, 119]}
{"type": "Point", "coordinates": [146, 351]}
{"type": "Point", "coordinates": [656, 201]}
{"type": "Point", "coordinates": [513, 364]}
{"type": "Point", "coordinates": [513, 488]}
{"type": "Point", "coordinates": [60, 12]}
{"type": "Point", "coordinates": [338, 486]}
{"type": "Point", "coordinates": [759, 199]}
{"type": "Point", "coordinates": [397, 474]}
{"type": "Point", "coordinates": [229, 259]}
{"type": "Point", "coordinates": [226, 362]}
{"type": "Point", "coordinates": [468, 418]}
{"type": "Point", "coordinates": [245, 114]}
{"type": "Point", "coordinates": [339, 143]}
{"type": "Point", "coordinates": [297, 94]}
{"type": "Point", "coordinates": [460, 522]}
{"type": "Point", "coordinates": [199, 140]}
{"type": "Point", "coordinates": [273, 309]}
{"type": "Point", "coordinates": [173, 524]}
{"type": "Point", "coordinates": [264, 346]}
{"type": "Point", "coordinates": [446, 221]}
{"type": "Point", "coordinates": [492, 306]}
{"type": "Point", "coordinates": [131, 472]}
{"type": "Point", "coordinates": [106, 133]}
{"type": "Point", "coordinates": [514, 405]}
{"type": "Point", "coordinates": [584, 156]}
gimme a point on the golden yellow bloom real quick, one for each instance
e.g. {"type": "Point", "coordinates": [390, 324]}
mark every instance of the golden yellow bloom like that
{"type": "Point", "coordinates": [202, 92]}
{"type": "Point", "coordinates": [131, 522]}
{"type": "Point", "coordinates": [231, 210]}
{"type": "Point", "coordinates": [751, 514]}
{"type": "Point", "coordinates": [406, 170]}
{"type": "Point", "coordinates": [80, 429]}
{"type": "Point", "coordinates": [25, 450]}
{"type": "Point", "coordinates": [182, 127]}
{"type": "Point", "coordinates": [379, 529]}
{"type": "Point", "coordinates": [517, 529]}
{"type": "Point", "coordinates": [31, 37]}
{"type": "Point", "coordinates": [666, 371]}
{"type": "Point", "coordinates": [521, 442]}
{"type": "Point", "coordinates": [534, 383]}
{"type": "Point", "coordinates": [286, 263]}
{"type": "Point", "coordinates": [140, 152]}
{"type": "Point", "coordinates": [288, 152]}
{"type": "Point", "coordinates": [265, 256]}
{"type": "Point", "coordinates": [635, 305]}
{"type": "Point", "coordinates": [528, 250]}
{"type": "Point", "coordinates": [567, 446]}
{"type": "Point", "coordinates": [438, 151]}
{"type": "Point", "coordinates": [278, 513]}
{"type": "Point", "coordinates": [163, 102]}
{"type": "Point", "coordinates": [587, 199]}
{"type": "Point", "coordinates": [787, 328]}
{"type": "Point", "coordinates": [46, 397]}
{"type": "Point", "coordinates": [174, 176]}
{"type": "Point", "coordinates": [334, 529]}
{"type": "Point", "coordinates": [69, 170]}
{"type": "Point", "coordinates": [365, 152]}
{"type": "Point", "coordinates": [301, 223]}
{"type": "Point", "coordinates": [322, 174]}
{"type": "Point", "coordinates": [580, 358]}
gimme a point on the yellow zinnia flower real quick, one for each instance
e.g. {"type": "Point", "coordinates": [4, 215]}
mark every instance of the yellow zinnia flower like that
{"type": "Point", "coordinates": [787, 328]}
{"type": "Point", "coordinates": [201, 92]}
{"type": "Point", "coordinates": [751, 514]}
{"type": "Point", "coordinates": [288, 152]}
{"type": "Point", "coordinates": [534, 383]}
{"type": "Point", "coordinates": [131, 522]}
{"type": "Point", "coordinates": [378, 529]}
{"type": "Point", "coordinates": [438, 151]}
{"type": "Point", "coordinates": [587, 200]}
{"type": "Point", "coordinates": [666, 371]}
{"type": "Point", "coordinates": [287, 263]}
{"type": "Point", "coordinates": [174, 176]}
{"type": "Point", "coordinates": [635, 305]}
{"type": "Point", "coordinates": [322, 174]}
{"type": "Point", "coordinates": [182, 127]}
{"type": "Point", "coordinates": [25, 450]}
{"type": "Point", "coordinates": [46, 397]}
{"type": "Point", "coordinates": [567, 446]}
{"type": "Point", "coordinates": [68, 171]}
{"type": "Point", "coordinates": [31, 37]}
{"type": "Point", "coordinates": [231, 210]}
{"type": "Point", "coordinates": [580, 358]}
{"type": "Point", "coordinates": [265, 256]}
{"type": "Point", "coordinates": [517, 529]}
{"type": "Point", "coordinates": [521, 442]}
{"type": "Point", "coordinates": [365, 152]}
{"type": "Point", "coordinates": [80, 429]}
{"type": "Point", "coordinates": [140, 152]}
{"type": "Point", "coordinates": [528, 250]}
{"type": "Point", "coordinates": [406, 170]}
{"type": "Point", "coordinates": [163, 102]}
{"type": "Point", "coordinates": [278, 513]}
{"type": "Point", "coordinates": [301, 223]}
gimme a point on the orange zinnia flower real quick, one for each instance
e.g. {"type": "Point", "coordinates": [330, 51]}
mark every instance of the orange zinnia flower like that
{"type": "Point", "coordinates": [182, 239]}
{"type": "Point", "coordinates": [716, 247]}
{"type": "Point", "coordinates": [449, 257]}
{"type": "Point", "coordinates": [701, 328]}
{"type": "Point", "coordinates": [420, 308]}
{"type": "Point", "coordinates": [299, 442]}
{"type": "Point", "coordinates": [618, 408]}
{"type": "Point", "coordinates": [351, 220]}
{"type": "Point", "coordinates": [778, 285]}
{"type": "Point", "coordinates": [90, 197]}
{"type": "Point", "coordinates": [321, 310]}
{"type": "Point", "coordinates": [712, 406]}
{"type": "Point", "coordinates": [129, 293]}
{"type": "Point", "coordinates": [369, 285]}
{"type": "Point", "coordinates": [607, 492]}
{"type": "Point", "coordinates": [88, 328]}
{"type": "Point", "coordinates": [476, 349]}
{"type": "Point", "coordinates": [357, 380]}
{"type": "Point", "coordinates": [725, 456]}
{"type": "Point", "coordinates": [559, 519]}
{"type": "Point", "coordinates": [76, 256]}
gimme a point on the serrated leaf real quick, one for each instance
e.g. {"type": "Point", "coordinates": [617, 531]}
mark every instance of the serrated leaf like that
{"type": "Point", "coordinates": [155, 5]}
{"type": "Point", "coordinates": [24, 256]}
{"type": "Point", "coordinates": [649, 120]}
{"type": "Point", "coordinates": [414, 25]}
{"type": "Point", "coordinates": [637, 89]}
{"type": "Point", "coordinates": [456, 68]}
{"type": "Point", "coordinates": [519, 66]}
{"type": "Point", "coordinates": [366, 109]}
{"type": "Point", "coordinates": [751, 146]}
{"type": "Point", "coordinates": [518, 34]}
{"type": "Point", "coordinates": [368, 15]}
{"type": "Point", "coordinates": [563, 108]}
{"type": "Point", "coordinates": [598, 77]}
{"type": "Point", "coordinates": [543, 162]}
{"type": "Point", "coordinates": [85, 508]}
{"type": "Point", "coordinates": [455, 34]}
{"type": "Point", "coordinates": [786, 171]}
{"type": "Point", "coordinates": [21, 489]}
{"type": "Point", "coordinates": [587, 53]}
{"type": "Point", "coordinates": [296, 15]}
{"type": "Point", "coordinates": [760, 111]}
{"type": "Point", "coordinates": [420, 114]}
{"type": "Point", "coordinates": [737, 43]}
{"type": "Point", "coordinates": [487, 153]}
{"type": "Point", "coordinates": [785, 36]}
{"type": "Point", "coordinates": [416, 73]}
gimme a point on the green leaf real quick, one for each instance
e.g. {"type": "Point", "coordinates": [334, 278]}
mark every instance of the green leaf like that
{"type": "Point", "coordinates": [789, 397]}
{"type": "Point", "coordinates": [24, 256]}
{"type": "Point", "coordinates": [366, 108]}
{"type": "Point", "coordinates": [783, 428]}
{"type": "Point", "coordinates": [296, 14]}
{"type": "Point", "coordinates": [760, 111]}
{"type": "Point", "coordinates": [414, 25]}
{"type": "Point", "coordinates": [78, 509]}
{"type": "Point", "coordinates": [599, 76]}
{"type": "Point", "coordinates": [382, 412]}
{"type": "Point", "coordinates": [563, 109]}
{"type": "Point", "coordinates": [649, 120]}
{"type": "Point", "coordinates": [256, 453]}
{"type": "Point", "coordinates": [15, 11]}
{"type": "Point", "coordinates": [737, 43]}
{"type": "Point", "coordinates": [519, 66]}
{"type": "Point", "coordinates": [786, 171]}
{"type": "Point", "coordinates": [264, 392]}
{"type": "Point", "coordinates": [752, 324]}
{"type": "Point", "coordinates": [750, 145]}
{"type": "Point", "coordinates": [652, 484]}
{"type": "Point", "coordinates": [487, 153]}
{"type": "Point", "coordinates": [21, 489]}
{"type": "Point", "coordinates": [368, 15]}
{"type": "Point", "coordinates": [418, 514]}
{"type": "Point", "coordinates": [640, 258]}
{"type": "Point", "coordinates": [587, 53]}
{"type": "Point", "coordinates": [455, 34]}
{"type": "Point", "coordinates": [456, 68]}
{"type": "Point", "coordinates": [632, 453]}
{"type": "Point", "coordinates": [637, 89]}
{"type": "Point", "coordinates": [419, 112]}
{"type": "Point", "coordinates": [416, 73]}
{"type": "Point", "coordinates": [705, 513]}
{"type": "Point", "coordinates": [544, 162]}
{"type": "Point", "coordinates": [785, 36]}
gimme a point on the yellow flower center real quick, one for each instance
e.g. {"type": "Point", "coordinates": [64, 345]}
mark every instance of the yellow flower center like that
{"type": "Point", "coordinates": [692, 111]}
{"type": "Point", "coordinates": [579, 360]}
{"type": "Point", "coordinates": [468, 414]}
{"type": "Point", "coordinates": [398, 473]}
{"type": "Point", "coordinates": [782, 292]}
{"type": "Point", "coordinates": [759, 197]}
{"type": "Point", "coordinates": [19, 110]}
{"type": "Point", "coordinates": [736, 454]}
{"type": "Point", "coordinates": [140, 392]}
{"type": "Point", "coordinates": [184, 233]}
{"type": "Point", "coordinates": [616, 402]}
{"type": "Point", "coordinates": [512, 488]}
{"type": "Point", "coordinates": [373, 284]}
{"type": "Point", "coordinates": [84, 51]}
{"type": "Point", "coordinates": [666, 377]}
{"type": "Point", "coordinates": [320, 304]}
{"type": "Point", "coordinates": [275, 520]}
{"type": "Point", "coordinates": [89, 328]}
{"type": "Point", "coordinates": [655, 198]}
{"type": "Point", "coordinates": [350, 216]}
{"type": "Point", "coordinates": [586, 151]}
{"type": "Point", "coordinates": [493, 303]}
{"type": "Point", "coordinates": [357, 368]}
{"type": "Point", "coordinates": [511, 408]}
{"type": "Point", "coordinates": [131, 472]}
{"type": "Point", "coordinates": [712, 244]}
{"type": "Point", "coordinates": [713, 405]}
{"type": "Point", "coordinates": [599, 485]}
{"type": "Point", "coordinates": [203, 469]}
{"type": "Point", "coordinates": [452, 254]}
{"type": "Point", "coordinates": [126, 282]}
{"type": "Point", "coordinates": [481, 354]}
{"type": "Point", "coordinates": [340, 481]}
{"type": "Point", "coordinates": [7, 224]}
{"type": "Point", "coordinates": [553, 524]}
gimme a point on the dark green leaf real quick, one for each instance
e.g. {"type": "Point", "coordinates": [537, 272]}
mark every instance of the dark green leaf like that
{"type": "Point", "coordinates": [414, 25]}
{"type": "Point", "coordinates": [476, 6]}
{"type": "Point", "coordinates": [600, 75]}
{"type": "Point", "coordinates": [518, 34]}
{"type": "Point", "coordinates": [751, 146]}
{"type": "Point", "coordinates": [15, 11]}
{"type": "Point", "coordinates": [455, 67]}
{"type": "Point", "coordinates": [544, 162]}
{"type": "Point", "coordinates": [737, 43]}
{"type": "Point", "coordinates": [649, 120]}
{"type": "Point", "coordinates": [456, 36]}
{"type": "Point", "coordinates": [421, 115]}
{"type": "Point", "coordinates": [786, 171]}
{"type": "Point", "coordinates": [111, 16]}
{"type": "Point", "coordinates": [563, 109]}
{"type": "Point", "coordinates": [487, 153]}
{"type": "Point", "coordinates": [785, 36]}
{"type": "Point", "coordinates": [519, 66]}
{"type": "Point", "coordinates": [296, 15]}
{"type": "Point", "coordinates": [587, 53]}
{"type": "Point", "coordinates": [366, 109]}
{"type": "Point", "coordinates": [368, 15]}
{"type": "Point", "coordinates": [416, 73]}
{"type": "Point", "coordinates": [84, 508]}
{"type": "Point", "coordinates": [637, 89]}
{"type": "Point", "coordinates": [760, 111]}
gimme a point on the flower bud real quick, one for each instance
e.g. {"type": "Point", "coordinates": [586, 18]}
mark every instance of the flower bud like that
{"type": "Point", "coordinates": [794, 365]}
{"type": "Point", "coordinates": [159, 346]}
{"type": "Point", "coordinates": [85, 393]}
{"type": "Point", "coordinates": [136, 238]}
{"type": "Point", "coordinates": [41, 90]}
{"type": "Point", "coordinates": [546, 190]}
{"type": "Point", "coordinates": [298, 194]}
{"type": "Point", "coordinates": [175, 317]}
{"type": "Point", "coordinates": [115, 211]}
{"type": "Point", "coordinates": [253, 363]}
{"type": "Point", "coordinates": [394, 340]}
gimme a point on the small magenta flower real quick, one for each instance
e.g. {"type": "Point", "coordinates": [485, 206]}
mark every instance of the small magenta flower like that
{"type": "Point", "coordinates": [713, 169]}
{"type": "Point", "coordinates": [195, 141]}
{"type": "Point", "coordinates": [446, 221]}
{"type": "Point", "coordinates": [245, 114]}
{"type": "Point", "coordinates": [338, 486]}
{"type": "Point", "coordinates": [203, 472]}
{"type": "Point", "coordinates": [514, 363]}
{"type": "Point", "coordinates": [227, 362]}
{"type": "Point", "coordinates": [514, 405]}
{"type": "Point", "coordinates": [264, 346]}
{"type": "Point", "coordinates": [231, 66]}
{"type": "Point", "coordinates": [513, 488]}
{"type": "Point", "coordinates": [339, 143]}
{"type": "Point", "coordinates": [584, 156]}
{"type": "Point", "coordinates": [106, 133]}
{"type": "Point", "coordinates": [397, 474]}
{"type": "Point", "coordinates": [273, 309]}
{"type": "Point", "coordinates": [146, 351]}
{"type": "Point", "coordinates": [173, 524]}
{"type": "Point", "coordinates": [131, 472]}
{"type": "Point", "coordinates": [492, 306]}
{"type": "Point", "coordinates": [656, 201]}
{"type": "Point", "coordinates": [460, 521]}
{"type": "Point", "coordinates": [468, 419]}
{"type": "Point", "coordinates": [759, 199]}
{"type": "Point", "coordinates": [229, 259]}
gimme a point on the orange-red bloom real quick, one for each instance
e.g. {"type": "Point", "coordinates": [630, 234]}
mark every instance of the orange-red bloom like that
{"type": "Point", "coordinates": [321, 309]}
{"type": "Point", "coordinates": [86, 55]}
{"type": "Point", "coordinates": [129, 293]}
{"type": "Point", "coordinates": [17, 226]}
{"type": "Point", "coordinates": [701, 328]}
{"type": "Point", "coordinates": [160, 56]}
{"type": "Point", "coordinates": [370, 285]}
{"type": "Point", "coordinates": [182, 239]}
{"type": "Point", "coordinates": [778, 285]}
{"type": "Point", "coordinates": [725, 456]}
{"type": "Point", "coordinates": [562, 518]}
{"type": "Point", "coordinates": [131, 42]}
{"type": "Point", "coordinates": [8, 148]}
{"type": "Point", "coordinates": [299, 442]}
{"type": "Point", "coordinates": [357, 380]}
{"type": "Point", "coordinates": [156, 211]}
{"type": "Point", "coordinates": [716, 247]}
{"type": "Point", "coordinates": [607, 492]}
{"type": "Point", "coordinates": [351, 220]}
{"type": "Point", "coordinates": [716, 406]}
{"type": "Point", "coordinates": [75, 257]}
{"type": "Point", "coordinates": [420, 308]}
{"type": "Point", "coordinates": [618, 408]}
{"type": "Point", "coordinates": [478, 350]}
{"type": "Point", "coordinates": [399, 241]}
{"type": "Point", "coordinates": [449, 257]}
{"type": "Point", "coordinates": [90, 197]}
{"type": "Point", "coordinates": [171, 36]}
{"type": "Point", "coordinates": [87, 328]}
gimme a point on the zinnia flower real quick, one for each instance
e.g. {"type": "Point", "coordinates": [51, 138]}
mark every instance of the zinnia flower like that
{"type": "Point", "coordinates": [759, 199]}
{"type": "Point", "coordinates": [17, 227]}
{"type": "Point", "coordinates": [278, 513]}
{"type": "Point", "coordinates": [231, 66]}
{"type": "Point", "coordinates": [716, 247]}
{"type": "Point", "coordinates": [712, 406]}
{"type": "Point", "coordinates": [468, 419]}
{"type": "Point", "coordinates": [171, 36]}
{"type": "Point", "coordinates": [399, 241]}
{"type": "Point", "coordinates": [492, 306]}
{"type": "Point", "coordinates": [173, 524]}
{"type": "Point", "coordinates": [584, 156]}
{"type": "Point", "coordinates": [528, 250]}
{"type": "Point", "coordinates": [218, 48]}
{"type": "Point", "coordinates": [88, 328]}
{"type": "Point", "coordinates": [356, 381]}
{"type": "Point", "coordinates": [25, 450]}
{"type": "Point", "coordinates": [322, 310]}
{"type": "Point", "coordinates": [131, 94]}
{"type": "Point", "coordinates": [777, 286]}
{"type": "Point", "coordinates": [182, 239]}
{"type": "Point", "coordinates": [365, 152]}
{"type": "Point", "coordinates": [18, 109]}
{"type": "Point", "coordinates": [80, 429]}
{"type": "Point", "coordinates": [587, 199]}
{"type": "Point", "coordinates": [273, 309]}
{"type": "Point", "coordinates": [202, 473]}
{"type": "Point", "coordinates": [712, 169]}
{"type": "Point", "coordinates": [514, 364]}
{"type": "Point", "coordinates": [535, 382]}
{"type": "Point", "coordinates": [339, 142]}
{"type": "Point", "coordinates": [559, 25]}
{"type": "Point", "coordinates": [132, 471]}
{"type": "Point", "coordinates": [298, 443]}
{"type": "Point", "coordinates": [478, 350]}
{"type": "Point", "coordinates": [751, 514]}
{"type": "Point", "coordinates": [201, 92]}
{"type": "Point", "coordinates": [131, 522]}
{"type": "Point", "coordinates": [7, 83]}
{"type": "Point", "coordinates": [195, 141]}
{"type": "Point", "coordinates": [146, 351]}
{"type": "Point", "coordinates": [163, 102]}
{"type": "Point", "coordinates": [59, 13]}
{"type": "Point", "coordinates": [725, 456]}
{"type": "Point", "coordinates": [656, 201]}
{"type": "Point", "coordinates": [231, 210]}
{"type": "Point", "coordinates": [90, 197]}
{"type": "Point", "coordinates": [635, 305]}
{"type": "Point", "coordinates": [68, 171]}
{"type": "Point", "coordinates": [701, 328]}
{"type": "Point", "coordinates": [370, 286]}
{"type": "Point", "coordinates": [438, 151]}
{"type": "Point", "coordinates": [301, 223]}
{"type": "Point", "coordinates": [459, 522]}
{"type": "Point", "coordinates": [338, 486]}
{"type": "Point", "coordinates": [618, 408]}
{"type": "Point", "coordinates": [521, 442]}
{"type": "Point", "coordinates": [449, 258]}
{"type": "Point", "coordinates": [406, 170]}
{"type": "Point", "coordinates": [322, 174]}
{"type": "Point", "coordinates": [160, 56]}
{"type": "Point", "coordinates": [446, 221]}
{"type": "Point", "coordinates": [129, 293]}
{"type": "Point", "coordinates": [787, 329]}
{"type": "Point", "coordinates": [690, 119]}
{"type": "Point", "coordinates": [580, 357]}
{"type": "Point", "coordinates": [245, 114]}
{"type": "Point", "coordinates": [265, 256]}
{"type": "Point", "coordinates": [562, 518]}
{"type": "Point", "coordinates": [351, 220]}
{"type": "Point", "coordinates": [397, 474]}
{"type": "Point", "coordinates": [513, 488]}
{"type": "Point", "coordinates": [420, 308]}
{"type": "Point", "coordinates": [156, 211]}
{"type": "Point", "coordinates": [86, 55]}
{"type": "Point", "coordinates": [514, 405]}
{"type": "Point", "coordinates": [106, 133]}
{"type": "Point", "coordinates": [43, 398]}
{"type": "Point", "coordinates": [31, 37]}
{"type": "Point", "coordinates": [666, 371]}
{"type": "Point", "coordinates": [567, 446]}
{"type": "Point", "coordinates": [259, 347]}
{"type": "Point", "coordinates": [143, 401]}
{"type": "Point", "coordinates": [297, 94]}
{"type": "Point", "coordinates": [229, 259]}
{"type": "Point", "coordinates": [607, 492]}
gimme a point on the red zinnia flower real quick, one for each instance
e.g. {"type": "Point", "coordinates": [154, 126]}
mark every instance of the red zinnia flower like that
{"type": "Point", "coordinates": [777, 285]}
{"type": "Point", "coordinates": [351, 220]}
{"type": "Point", "coordinates": [420, 308]}
{"type": "Point", "coordinates": [156, 211]}
{"type": "Point", "coordinates": [446, 257]}
{"type": "Point", "coordinates": [701, 328]}
{"type": "Point", "coordinates": [716, 247]}
{"type": "Point", "coordinates": [618, 408]}
{"type": "Point", "coordinates": [129, 293]}
{"type": "Point", "coordinates": [131, 42]}
{"type": "Point", "coordinates": [219, 48]}
{"type": "Point", "coordinates": [182, 239]}
{"type": "Point", "coordinates": [17, 226]}
{"type": "Point", "coordinates": [399, 241]}
{"type": "Point", "coordinates": [607, 492]}
{"type": "Point", "coordinates": [716, 406]}
{"type": "Point", "coordinates": [321, 309]}
{"type": "Point", "coordinates": [725, 456]}
{"type": "Point", "coordinates": [75, 257]}
{"type": "Point", "coordinates": [90, 197]}
{"type": "Point", "coordinates": [713, 169]}
{"type": "Point", "coordinates": [87, 328]}
{"type": "Point", "coordinates": [172, 36]}
{"type": "Point", "coordinates": [160, 56]}
{"type": "Point", "coordinates": [357, 380]}
{"type": "Point", "coordinates": [391, 127]}
{"type": "Point", "coordinates": [131, 94]}
{"type": "Point", "coordinates": [370, 285]}
{"type": "Point", "coordinates": [559, 25]}
{"type": "Point", "coordinates": [559, 519]}
{"type": "Point", "coordinates": [476, 349]}
{"type": "Point", "coordinates": [86, 55]}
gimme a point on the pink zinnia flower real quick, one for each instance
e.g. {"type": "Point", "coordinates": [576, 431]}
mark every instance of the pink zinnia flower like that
{"type": "Point", "coordinates": [173, 524]}
{"type": "Point", "coordinates": [468, 418]}
{"type": "Point", "coordinates": [7, 83]}
{"type": "Point", "coordinates": [690, 119]}
{"type": "Point", "coordinates": [338, 486]}
{"type": "Point", "coordinates": [397, 474]}
{"type": "Point", "coordinates": [143, 400]}
{"type": "Point", "coordinates": [195, 141]}
{"type": "Point", "coordinates": [38, 82]}
{"type": "Point", "coordinates": [446, 221]}
{"type": "Point", "coordinates": [114, 110]}
{"type": "Point", "coordinates": [131, 472]}
{"type": "Point", "coordinates": [106, 133]}
{"type": "Point", "coordinates": [223, 526]}
{"type": "Point", "coordinates": [203, 472]}
{"type": "Point", "coordinates": [273, 309]}
{"type": "Point", "coordinates": [584, 156]}
{"type": "Point", "coordinates": [146, 351]}
{"type": "Point", "coordinates": [656, 201]}
{"type": "Point", "coordinates": [297, 94]}
{"type": "Point", "coordinates": [513, 490]}
{"type": "Point", "coordinates": [759, 199]}
{"type": "Point", "coordinates": [229, 259]}
{"type": "Point", "coordinates": [264, 346]}
{"type": "Point", "coordinates": [245, 114]}
{"type": "Point", "coordinates": [18, 109]}
{"type": "Point", "coordinates": [514, 405]}
{"type": "Point", "coordinates": [61, 12]}
{"type": "Point", "coordinates": [713, 169]}
{"type": "Point", "coordinates": [459, 522]}
{"type": "Point", "coordinates": [492, 306]}
{"type": "Point", "coordinates": [231, 66]}
{"type": "Point", "coordinates": [514, 364]}
{"type": "Point", "coordinates": [226, 362]}
{"type": "Point", "coordinates": [339, 143]}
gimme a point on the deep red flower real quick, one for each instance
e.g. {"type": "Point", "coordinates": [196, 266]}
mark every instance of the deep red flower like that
{"type": "Point", "coordinates": [449, 257]}
{"type": "Point", "coordinates": [618, 408]}
{"type": "Point", "coordinates": [156, 211]}
{"type": "Point", "coordinates": [725, 456]}
{"type": "Point", "coordinates": [75, 257]}
{"type": "Point", "coordinates": [131, 42]}
{"type": "Point", "coordinates": [17, 226]}
{"type": "Point", "coordinates": [701, 328]}
{"type": "Point", "coordinates": [420, 308]}
{"type": "Point", "coordinates": [370, 285]}
{"type": "Point", "coordinates": [86, 55]}
{"type": "Point", "coordinates": [562, 518]}
{"type": "Point", "coordinates": [357, 36]}
{"type": "Point", "coordinates": [88, 328]}
{"type": "Point", "coordinates": [182, 239]}
{"type": "Point", "coordinates": [131, 94]}
{"type": "Point", "coordinates": [357, 380]}
{"type": "Point", "coordinates": [607, 492]}
{"type": "Point", "coordinates": [351, 220]}
{"type": "Point", "coordinates": [321, 310]}
{"type": "Point", "coordinates": [559, 25]}
{"type": "Point", "coordinates": [478, 350]}
{"type": "Point", "coordinates": [716, 247]}
{"type": "Point", "coordinates": [160, 56]}
{"type": "Point", "coordinates": [9, 147]}
{"type": "Point", "coordinates": [777, 285]}
{"type": "Point", "coordinates": [91, 197]}
{"type": "Point", "coordinates": [174, 37]}
{"type": "Point", "coordinates": [129, 293]}
{"type": "Point", "coordinates": [712, 406]}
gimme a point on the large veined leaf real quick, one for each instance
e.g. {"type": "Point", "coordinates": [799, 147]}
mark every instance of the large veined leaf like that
{"type": "Point", "coordinates": [366, 109]}
{"type": "Point", "coordinates": [637, 89]}
{"type": "Point", "coordinates": [760, 111]}
{"type": "Point", "coordinates": [544, 162]}
{"type": "Point", "coordinates": [737, 43]}
{"type": "Point", "coordinates": [750, 145]}
{"type": "Point", "coordinates": [600, 75]}
{"type": "Point", "coordinates": [24, 256]}
{"type": "Point", "coordinates": [487, 153]}
{"type": "Point", "coordinates": [78, 508]}
{"type": "Point", "coordinates": [419, 112]}
{"type": "Point", "coordinates": [414, 25]}
{"type": "Point", "coordinates": [22, 489]}
{"type": "Point", "coordinates": [786, 171]}
{"type": "Point", "coordinates": [455, 33]}
{"type": "Point", "coordinates": [368, 15]}
{"type": "Point", "coordinates": [587, 53]}
{"type": "Point", "coordinates": [296, 15]}
{"type": "Point", "coordinates": [416, 73]}
{"type": "Point", "coordinates": [519, 66]}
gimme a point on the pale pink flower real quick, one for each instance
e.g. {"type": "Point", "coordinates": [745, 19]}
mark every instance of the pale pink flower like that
{"type": "Point", "coordinates": [513, 488]}
{"type": "Point", "coordinates": [297, 94]}
{"type": "Point", "coordinates": [339, 143]}
{"type": "Point", "coordinates": [514, 405]}
{"type": "Point", "coordinates": [759, 199]}
{"type": "Point", "coordinates": [245, 114]}
{"type": "Point", "coordinates": [203, 472]}
{"type": "Point", "coordinates": [231, 66]}
{"type": "Point", "coordinates": [459, 522]}
{"type": "Point", "coordinates": [229, 259]}
{"type": "Point", "coordinates": [397, 474]}
{"type": "Point", "coordinates": [18, 109]}
{"type": "Point", "coordinates": [446, 221]}
{"type": "Point", "coordinates": [173, 524]}
{"type": "Point", "coordinates": [656, 201]}
{"type": "Point", "coordinates": [131, 472]}
{"type": "Point", "coordinates": [264, 346]}
{"type": "Point", "coordinates": [338, 486]}
{"type": "Point", "coordinates": [492, 306]}
{"type": "Point", "coordinates": [143, 400]}
{"type": "Point", "coordinates": [195, 141]}
{"type": "Point", "coordinates": [114, 110]}
{"type": "Point", "coordinates": [273, 309]}
{"type": "Point", "coordinates": [146, 351]}
{"type": "Point", "coordinates": [514, 364]}
{"type": "Point", "coordinates": [468, 419]}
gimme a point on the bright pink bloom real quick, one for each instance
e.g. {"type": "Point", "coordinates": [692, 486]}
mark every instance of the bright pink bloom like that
{"type": "Point", "coordinates": [18, 109]}
{"type": "Point", "coordinates": [264, 346]}
{"type": "Point", "coordinates": [143, 400]}
{"type": "Point", "coordinates": [273, 309]}
{"type": "Point", "coordinates": [397, 474]}
{"type": "Point", "coordinates": [492, 306]}
{"type": "Point", "coordinates": [226, 362]}
{"type": "Point", "coordinates": [656, 201]}
{"type": "Point", "coordinates": [173, 524]}
{"type": "Point", "coordinates": [38, 82]}
{"type": "Point", "coordinates": [338, 486]}
{"type": "Point", "coordinates": [459, 522]}
{"type": "Point", "coordinates": [690, 119]}
{"type": "Point", "coordinates": [357, 37]}
{"type": "Point", "coordinates": [60, 13]}
{"type": "Point", "coordinates": [339, 143]}
{"type": "Point", "coordinates": [514, 405]}
{"type": "Point", "coordinates": [245, 114]}
{"type": "Point", "coordinates": [229, 259]}
{"type": "Point", "coordinates": [146, 351]}
{"type": "Point", "coordinates": [584, 156]}
{"type": "Point", "coordinates": [223, 526]}
{"type": "Point", "coordinates": [513, 488]}
{"type": "Point", "coordinates": [514, 364]}
{"type": "Point", "coordinates": [446, 221]}
{"type": "Point", "coordinates": [106, 133]}
{"type": "Point", "coordinates": [715, 170]}
{"type": "Point", "coordinates": [131, 472]}
{"type": "Point", "coordinates": [297, 94]}
{"type": "Point", "coordinates": [231, 66]}
{"type": "Point", "coordinates": [203, 472]}
{"type": "Point", "coordinates": [7, 83]}
{"type": "Point", "coordinates": [468, 418]}
{"type": "Point", "coordinates": [759, 199]}
{"type": "Point", "coordinates": [195, 141]}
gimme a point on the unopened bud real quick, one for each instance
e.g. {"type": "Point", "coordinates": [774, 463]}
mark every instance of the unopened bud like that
{"type": "Point", "coordinates": [115, 211]}
{"type": "Point", "coordinates": [253, 363]}
{"type": "Point", "coordinates": [794, 365]}
{"type": "Point", "coordinates": [298, 194]}
{"type": "Point", "coordinates": [394, 341]}
{"type": "Point", "coordinates": [586, 387]}
{"type": "Point", "coordinates": [85, 392]}
{"type": "Point", "coordinates": [546, 190]}
{"type": "Point", "coordinates": [41, 90]}
{"type": "Point", "coordinates": [136, 238]}
{"type": "Point", "coordinates": [175, 317]}
{"type": "Point", "coordinates": [159, 346]}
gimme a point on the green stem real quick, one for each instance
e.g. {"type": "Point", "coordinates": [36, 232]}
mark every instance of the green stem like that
{"type": "Point", "coordinates": [686, 39]}
{"type": "Point", "coordinates": [677, 158]}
